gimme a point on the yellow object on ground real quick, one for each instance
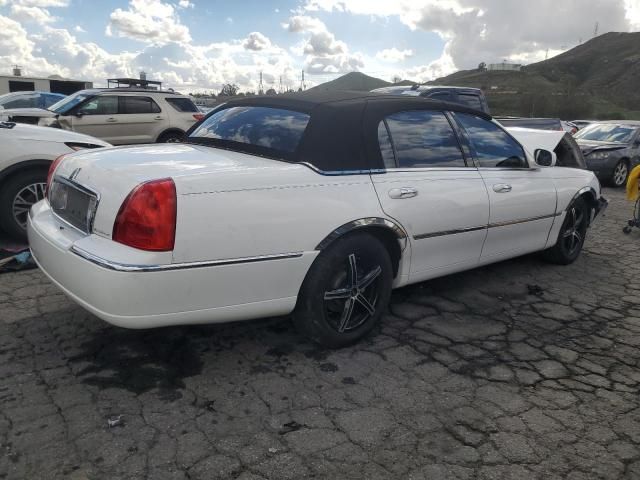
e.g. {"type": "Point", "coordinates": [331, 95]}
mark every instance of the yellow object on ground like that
{"type": "Point", "coordinates": [633, 184]}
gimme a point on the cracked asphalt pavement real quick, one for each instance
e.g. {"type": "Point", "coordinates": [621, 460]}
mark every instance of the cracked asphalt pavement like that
{"type": "Point", "coordinates": [519, 370]}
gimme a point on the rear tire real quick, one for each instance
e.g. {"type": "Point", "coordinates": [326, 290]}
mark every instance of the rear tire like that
{"type": "Point", "coordinates": [572, 234]}
{"type": "Point", "coordinates": [17, 194]}
{"type": "Point", "coordinates": [337, 307]}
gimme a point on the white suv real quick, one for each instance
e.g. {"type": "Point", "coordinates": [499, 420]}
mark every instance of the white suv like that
{"type": "Point", "coordinates": [121, 116]}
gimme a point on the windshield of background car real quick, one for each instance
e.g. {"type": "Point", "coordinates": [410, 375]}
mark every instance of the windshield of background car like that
{"type": "Point", "coordinates": [607, 133]}
{"type": "Point", "coordinates": [269, 131]}
{"type": "Point", "coordinates": [66, 104]}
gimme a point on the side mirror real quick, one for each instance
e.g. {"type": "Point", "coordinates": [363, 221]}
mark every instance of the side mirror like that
{"type": "Point", "coordinates": [545, 158]}
{"type": "Point", "coordinates": [79, 114]}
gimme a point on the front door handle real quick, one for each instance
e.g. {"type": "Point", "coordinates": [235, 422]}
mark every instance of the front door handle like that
{"type": "Point", "coordinates": [111, 120]}
{"type": "Point", "coordinates": [159, 118]}
{"type": "Point", "coordinates": [404, 192]}
{"type": "Point", "coordinates": [502, 188]}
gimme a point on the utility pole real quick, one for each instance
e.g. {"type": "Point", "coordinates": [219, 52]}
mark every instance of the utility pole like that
{"type": "Point", "coordinates": [280, 87]}
{"type": "Point", "coordinates": [303, 86]}
{"type": "Point", "coordinates": [595, 29]}
{"type": "Point", "coordinates": [261, 86]}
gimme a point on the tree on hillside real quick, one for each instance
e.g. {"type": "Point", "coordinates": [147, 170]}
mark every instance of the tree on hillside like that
{"type": "Point", "coordinates": [271, 91]}
{"type": "Point", "coordinates": [229, 90]}
{"type": "Point", "coordinates": [482, 67]}
{"type": "Point", "coordinates": [396, 79]}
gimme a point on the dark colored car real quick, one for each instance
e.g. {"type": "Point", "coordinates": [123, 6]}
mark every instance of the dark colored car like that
{"type": "Point", "coordinates": [611, 149]}
{"type": "Point", "coordinates": [535, 123]}
{"type": "Point", "coordinates": [466, 96]}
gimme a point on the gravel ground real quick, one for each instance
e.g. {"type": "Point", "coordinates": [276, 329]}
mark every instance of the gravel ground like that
{"type": "Point", "coordinates": [518, 370]}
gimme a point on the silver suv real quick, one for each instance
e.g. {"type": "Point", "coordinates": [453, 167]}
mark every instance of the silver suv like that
{"type": "Point", "coordinates": [120, 116]}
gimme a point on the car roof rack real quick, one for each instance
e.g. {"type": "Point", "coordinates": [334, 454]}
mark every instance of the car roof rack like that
{"type": "Point", "coordinates": [134, 83]}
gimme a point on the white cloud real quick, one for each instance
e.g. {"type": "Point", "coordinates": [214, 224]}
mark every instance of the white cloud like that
{"type": "Point", "coordinates": [324, 53]}
{"type": "Point", "coordinates": [493, 30]}
{"type": "Point", "coordinates": [393, 55]}
{"type": "Point", "coordinates": [31, 14]}
{"type": "Point", "coordinates": [150, 21]}
{"type": "Point", "coordinates": [256, 42]}
{"type": "Point", "coordinates": [185, 4]}
{"type": "Point", "coordinates": [79, 29]}
{"type": "Point", "coordinates": [43, 3]}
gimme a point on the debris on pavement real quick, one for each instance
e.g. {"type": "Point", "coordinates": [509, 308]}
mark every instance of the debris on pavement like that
{"type": "Point", "coordinates": [115, 421]}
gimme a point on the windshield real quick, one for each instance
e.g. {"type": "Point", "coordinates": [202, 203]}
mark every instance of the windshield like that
{"type": "Point", "coordinates": [270, 131]}
{"type": "Point", "coordinates": [66, 104]}
{"type": "Point", "coordinates": [607, 133]}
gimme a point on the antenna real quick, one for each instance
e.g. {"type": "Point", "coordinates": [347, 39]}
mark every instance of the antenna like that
{"type": "Point", "coordinates": [261, 86]}
{"type": "Point", "coordinates": [595, 29]}
{"type": "Point", "coordinates": [546, 55]}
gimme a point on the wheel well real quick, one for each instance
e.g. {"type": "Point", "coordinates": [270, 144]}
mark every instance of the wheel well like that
{"type": "Point", "coordinates": [590, 200]}
{"type": "Point", "coordinates": [386, 236]}
{"type": "Point", "coordinates": [168, 131]}
{"type": "Point", "coordinates": [22, 167]}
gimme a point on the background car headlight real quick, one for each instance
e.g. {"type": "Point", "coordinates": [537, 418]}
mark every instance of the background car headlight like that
{"type": "Point", "coordinates": [599, 155]}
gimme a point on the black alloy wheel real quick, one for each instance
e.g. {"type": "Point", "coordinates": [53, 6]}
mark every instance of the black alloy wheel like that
{"type": "Point", "coordinates": [346, 291]}
{"type": "Point", "coordinates": [572, 234]}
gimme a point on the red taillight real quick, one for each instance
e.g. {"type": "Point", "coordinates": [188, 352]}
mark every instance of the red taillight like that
{"type": "Point", "coordinates": [52, 169]}
{"type": "Point", "coordinates": [147, 217]}
{"type": "Point", "coordinates": [198, 116]}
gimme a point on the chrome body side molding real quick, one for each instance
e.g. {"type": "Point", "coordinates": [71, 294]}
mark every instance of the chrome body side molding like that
{"type": "Point", "coordinates": [399, 232]}
{"type": "Point", "coordinates": [122, 267]}
{"type": "Point", "coordinates": [492, 225]}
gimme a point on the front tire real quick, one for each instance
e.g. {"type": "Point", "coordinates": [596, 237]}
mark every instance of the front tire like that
{"type": "Point", "coordinates": [345, 292]}
{"type": "Point", "coordinates": [17, 194]}
{"type": "Point", "coordinates": [572, 234]}
{"type": "Point", "coordinates": [620, 174]}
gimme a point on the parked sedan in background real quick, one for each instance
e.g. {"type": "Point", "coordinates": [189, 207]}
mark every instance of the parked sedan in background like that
{"type": "Point", "coordinates": [465, 96]}
{"type": "Point", "coordinates": [316, 203]}
{"type": "Point", "coordinates": [120, 116]}
{"type": "Point", "coordinates": [26, 154]}
{"type": "Point", "coordinates": [29, 99]}
{"type": "Point", "coordinates": [611, 149]}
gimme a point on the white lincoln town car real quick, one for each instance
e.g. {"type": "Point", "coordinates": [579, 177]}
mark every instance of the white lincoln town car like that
{"type": "Point", "coordinates": [316, 203]}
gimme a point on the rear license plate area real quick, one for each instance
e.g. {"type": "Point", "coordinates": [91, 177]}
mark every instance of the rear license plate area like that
{"type": "Point", "coordinates": [73, 204]}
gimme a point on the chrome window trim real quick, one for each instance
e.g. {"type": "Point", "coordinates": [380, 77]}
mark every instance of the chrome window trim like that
{"type": "Point", "coordinates": [361, 223]}
{"type": "Point", "coordinates": [124, 267]}
{"type": "Point", "coordinates": [424, 236]}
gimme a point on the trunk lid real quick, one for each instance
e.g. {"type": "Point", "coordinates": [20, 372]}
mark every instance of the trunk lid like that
{"type": "Point", "coordinates": [112, 173]}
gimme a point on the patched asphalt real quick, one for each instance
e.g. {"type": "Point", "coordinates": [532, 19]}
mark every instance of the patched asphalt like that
{"type": "Point", "coordinates": [520, 370]}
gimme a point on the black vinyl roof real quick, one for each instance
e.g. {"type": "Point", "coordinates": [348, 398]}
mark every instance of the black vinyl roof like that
{"type": "Point", "coordinates": [341, 134]}
{"type": "Point", "coordinates": [306, 101]}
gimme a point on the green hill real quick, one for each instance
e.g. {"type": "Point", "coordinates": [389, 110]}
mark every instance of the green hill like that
{"type": "Point", "coordinates": [599, 79]}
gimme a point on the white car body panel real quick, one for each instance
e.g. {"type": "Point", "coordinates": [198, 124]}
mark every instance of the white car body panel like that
{"type": "Point", "coordinates": [533, 139]}
{"type": "Point", "coordinates": [249, 228]}
{"type": "Point", "coordinates": [28, 142]}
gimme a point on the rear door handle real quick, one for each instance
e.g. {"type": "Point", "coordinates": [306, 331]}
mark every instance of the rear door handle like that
{"type": "Point", "coordinates": [502, 188]}
{"type": "Point", "coordinates": [158, 118]}
{"type": "Point", "coordinates": [404, 192]}
{"type": "Point", "coordinates": [111, 120]}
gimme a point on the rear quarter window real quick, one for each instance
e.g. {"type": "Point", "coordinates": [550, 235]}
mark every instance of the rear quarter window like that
{"type": "Point", "coordinates": [182, 104]}
{"type": "Point", "coordinates": [470, 100]}
{"type": "Point", "coordinates": [130, 105]}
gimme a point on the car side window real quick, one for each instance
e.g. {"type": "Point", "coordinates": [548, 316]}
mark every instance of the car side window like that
{"type": "Point", "coordinates": [441, 96]}
{"type": "Point", "coordinates": [493, 146]}
{"type": "Point", "coordinates": [105, 105]}
{"type": "Point", "coordinates": [131, 105]}
{"type": "Point", "coordinates": [423, 139]}
{"type": "Point", "coordinates": [469, 100]}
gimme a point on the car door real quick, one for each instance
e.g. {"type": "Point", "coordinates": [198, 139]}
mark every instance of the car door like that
{"type": "Point", "coordinates": [96, 117]}
{"type": "Point", "coordinates": [522, 198]}
{"type": "Point", "coordinates": [140, 119]}
{"type": "Point", "coordinates": [431, 189]}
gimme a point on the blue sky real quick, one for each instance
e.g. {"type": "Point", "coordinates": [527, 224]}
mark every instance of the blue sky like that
{"type": "Point", "coordinates": [199, 45]}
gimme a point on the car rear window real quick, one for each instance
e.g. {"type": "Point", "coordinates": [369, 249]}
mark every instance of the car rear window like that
{"type": "Point", "coordinates": [270, 131]}
{"type": "Point", "coordinates": [182, 104]}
